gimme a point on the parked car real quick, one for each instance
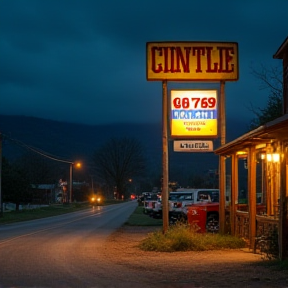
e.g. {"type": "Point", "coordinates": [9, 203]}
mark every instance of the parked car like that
{"type": "Point", "coordinates": [59, 198]}
{"type": "Point", "coordinates": [157, 210]}
{"type": "Point", "coordinates": [183, 198]}
{"type": "Point", "coordinates": [149, 203]}
{"type": "Point", "coordinates": [144, 196]}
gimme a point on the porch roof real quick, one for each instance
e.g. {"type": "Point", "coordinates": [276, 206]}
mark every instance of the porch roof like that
{"type": "Point", "coordinates": [271, 131]}
{"type": "Point", "coordinates": [282, 50]}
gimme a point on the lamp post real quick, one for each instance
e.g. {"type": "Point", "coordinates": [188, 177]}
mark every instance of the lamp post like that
{"type": "Point", "coordinates": [78, 165]}
{"type": "Point", "coordinates": [92, 184]}
{"type": "Point", "coordinates": [71, 182]}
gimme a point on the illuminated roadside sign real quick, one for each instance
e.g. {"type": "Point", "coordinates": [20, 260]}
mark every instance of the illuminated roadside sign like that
{"type": "Point", "coordinates": [193, 113]}
{"type": "Point", "coordinates": [193, 146]}
{"type": "Point", "coordinates": [192, 61]}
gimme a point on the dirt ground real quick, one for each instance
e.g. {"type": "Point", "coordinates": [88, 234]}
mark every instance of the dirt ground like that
{"type": "Point", "coordinates": [131, 267]}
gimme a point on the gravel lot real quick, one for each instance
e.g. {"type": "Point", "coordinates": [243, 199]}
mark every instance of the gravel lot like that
{"type": "Point", "coordinates": [125, 265]}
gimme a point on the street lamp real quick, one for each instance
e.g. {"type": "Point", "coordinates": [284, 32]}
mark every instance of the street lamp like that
{"type": "Point", "coordinates": [92, 184]}
{"type": "Point", "coordinates": [77, 165]}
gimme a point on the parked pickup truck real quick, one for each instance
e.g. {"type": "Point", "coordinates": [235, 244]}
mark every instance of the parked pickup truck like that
{"type": "Point", "coordinates": [182, 198]}
{"type": "Point", "coordinates": [157, 209]}
{"type": "Point", "coordinates": [185, 197]}
{"type": "Point", "coordinates": [149, 203]}
{"type": "Point", "coordinates": [204, 217]}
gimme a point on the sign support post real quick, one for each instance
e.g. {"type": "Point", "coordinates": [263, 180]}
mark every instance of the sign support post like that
{"type": "Point", "coordinates": [164, 192]}
{"type": "Point", "coordinates": [222, 163]}
{"type": "Point", "coordinates": [194, 116]}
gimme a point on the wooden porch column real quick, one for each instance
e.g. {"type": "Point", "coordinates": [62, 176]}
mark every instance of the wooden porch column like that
{"type": "Point", "coordinates": [283, 217]}
{"type": "Point", "coordinates": [268, 182]}
{"type": "Point", "coordinates": [234, 192]}
{"type": "Point", "coordinates": [252, 195]}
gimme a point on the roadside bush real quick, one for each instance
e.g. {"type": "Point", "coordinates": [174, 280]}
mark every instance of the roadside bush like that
{"type": "Point", "coordinates": [185, 238]}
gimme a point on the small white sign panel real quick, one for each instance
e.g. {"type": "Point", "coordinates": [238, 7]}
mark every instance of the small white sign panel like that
{"type": "Point", "coordinates": [193, 146]}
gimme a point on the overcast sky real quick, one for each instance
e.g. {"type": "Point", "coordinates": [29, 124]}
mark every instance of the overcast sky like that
{"type": "Point", "coordinates": [84, 61]}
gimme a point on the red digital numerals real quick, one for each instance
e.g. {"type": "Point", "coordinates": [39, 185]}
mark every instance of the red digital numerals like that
{"type": "Point", "coordinates": [194, 103]}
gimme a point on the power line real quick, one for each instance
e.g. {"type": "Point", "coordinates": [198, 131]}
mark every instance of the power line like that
{"type": "Point", "coordinates": [42, 153]}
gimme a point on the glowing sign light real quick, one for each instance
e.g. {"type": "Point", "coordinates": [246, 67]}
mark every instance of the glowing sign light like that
{"type": "Point", "coordinates": [193, 113]}
{"type": "Point", "coordinates": [191, 61]}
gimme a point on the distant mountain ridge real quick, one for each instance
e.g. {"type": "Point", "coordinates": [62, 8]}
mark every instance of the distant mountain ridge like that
{"type": "Point", "coordinates": [79, 141]}
{"type": "Point", "coordinates": [68, 139]}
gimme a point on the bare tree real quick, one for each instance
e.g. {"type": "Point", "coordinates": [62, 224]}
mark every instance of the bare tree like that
{"type": "Point", "coordinates": [15, 184]}
{"type": "Point", "coordinates": [272, 80]}
{"type": "Point", "coordinates": [118, 161]}
{"type": "Point", "coordinates": [39, 169]}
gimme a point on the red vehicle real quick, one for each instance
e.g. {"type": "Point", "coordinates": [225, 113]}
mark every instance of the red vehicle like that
{"type": "Point", "coordinates": [183, 198]}
{"type": "Point", "coordinates": [205, 216]}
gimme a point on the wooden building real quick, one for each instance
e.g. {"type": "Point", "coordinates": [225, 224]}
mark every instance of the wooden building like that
{"type": "Point", "coordinates": [262, 212]}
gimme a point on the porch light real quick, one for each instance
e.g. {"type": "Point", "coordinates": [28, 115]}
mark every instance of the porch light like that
{"type": "Point", "coordinates": [275, 157]}
{"type": "Point", "coordinates": [241, 153]}
{"type": "Point", "coordinates": [262, 156]}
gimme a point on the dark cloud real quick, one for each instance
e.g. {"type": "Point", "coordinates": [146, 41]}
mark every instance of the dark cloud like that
{"type": "Point", "coordinates": [84, 61]}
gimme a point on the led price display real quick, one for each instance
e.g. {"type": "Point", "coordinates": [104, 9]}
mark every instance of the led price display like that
{"type": "Point", "coordinates": [193, 113]}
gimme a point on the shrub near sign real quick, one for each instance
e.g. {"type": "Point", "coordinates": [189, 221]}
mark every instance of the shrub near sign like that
{"type": "Point", "coordinates": [193, 113]}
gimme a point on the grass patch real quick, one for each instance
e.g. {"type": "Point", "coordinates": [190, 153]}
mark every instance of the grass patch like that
{"type": "Point", "coordinates": [47, 211]}
{"type": "Point", "coordinates": [138, 218]}
{"type": "Point", "coordinates": [184, 238]}
{"type": "Point", "coordinates": [276, 264]}
{"type": "Point", "coordinates": [41, 212]}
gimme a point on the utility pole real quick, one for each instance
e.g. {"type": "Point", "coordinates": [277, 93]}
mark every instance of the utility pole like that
{"type": "Point", "coordinates": [92, 184]}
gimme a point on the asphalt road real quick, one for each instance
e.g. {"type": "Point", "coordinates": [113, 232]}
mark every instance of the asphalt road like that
{"type": "Point", "coordinates": [58, 251]}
